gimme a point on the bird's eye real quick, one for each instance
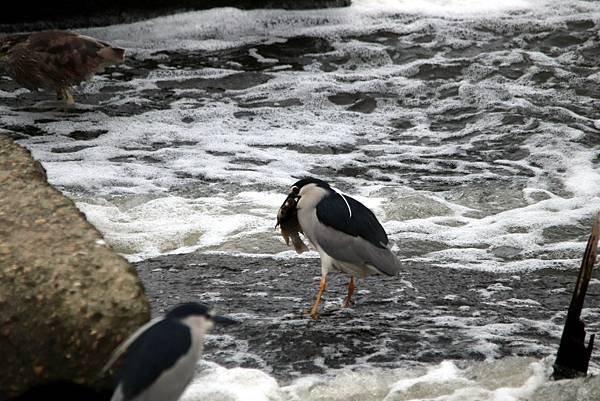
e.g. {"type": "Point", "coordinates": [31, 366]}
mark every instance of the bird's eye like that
{"type": "Point", "coordinates": [295, 189]}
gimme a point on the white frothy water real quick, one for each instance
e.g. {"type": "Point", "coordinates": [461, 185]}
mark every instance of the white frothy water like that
{"type": "Point", "coordinates": [175, 179]}
{"type": "Point", "coordinates": [509, 379]}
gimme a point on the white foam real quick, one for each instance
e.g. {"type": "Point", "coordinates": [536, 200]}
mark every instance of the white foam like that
{"type": "Point", "coordinates": [228, 27]}
{"type": "Point", "coordinates": [444, 372]}
{"type": "Point", "coordinates": [508, 379]}
{"type": "Point", "coordinates": [146, 208]}
{"type": "Point", "coordinates": [172, 224]}
{"type": "Point", "coordinates": [221, 384]}
{"type": "Point", "coordinates": [266, 60]}
{"type": "Point", "coordinates": [458, 8]}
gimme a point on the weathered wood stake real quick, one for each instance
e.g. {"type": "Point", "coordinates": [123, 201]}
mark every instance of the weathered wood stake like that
{"type": "Point", "coordinates": [573, 356]}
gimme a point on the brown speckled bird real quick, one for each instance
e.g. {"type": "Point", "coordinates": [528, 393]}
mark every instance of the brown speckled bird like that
{"type": "Point", "coordinates": [55, 60]}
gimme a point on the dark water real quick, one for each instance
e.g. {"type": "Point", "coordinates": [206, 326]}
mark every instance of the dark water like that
{"type": "Point", "coordinates": [429, 332]}
{"type": "Point", "coordinates": [472, 132]}
{"type": "Point", "coordinates": [427, 314]}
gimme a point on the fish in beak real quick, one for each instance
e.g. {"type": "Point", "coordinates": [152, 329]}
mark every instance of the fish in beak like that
{"type": "Point", "coordinates": [287, 219]}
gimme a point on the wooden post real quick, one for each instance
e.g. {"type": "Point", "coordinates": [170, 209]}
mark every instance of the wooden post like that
{"type": "Point", "coordinates": [573, 356]}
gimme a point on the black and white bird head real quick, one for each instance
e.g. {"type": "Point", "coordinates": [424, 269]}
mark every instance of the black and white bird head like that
{"type": "Point", "coordinates": [308, 191]}
{"type": "Point", "coordinates": [197, 316]}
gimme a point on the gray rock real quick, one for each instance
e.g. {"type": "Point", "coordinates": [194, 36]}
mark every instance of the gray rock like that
{"type": "Point", "coordinates": [66, 299]}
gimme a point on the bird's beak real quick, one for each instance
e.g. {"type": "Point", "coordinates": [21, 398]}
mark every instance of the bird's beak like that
{"type": "Point", "coordinates": [224, 320]}
{"type": "Point", "coordinates": [288, 206]}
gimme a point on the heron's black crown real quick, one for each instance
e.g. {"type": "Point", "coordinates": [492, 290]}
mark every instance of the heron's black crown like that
{"type": "Point", "coordinates": [189, 309]}
{"type": "Point", "coordinates": [310, 180]}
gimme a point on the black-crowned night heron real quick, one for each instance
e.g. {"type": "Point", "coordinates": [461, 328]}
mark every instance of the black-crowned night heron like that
{"type": "Point", "coordinates": [55, 60]}
{"type": "Point", "coordinates": [347, 235]}
{"type": "Point", "coordinates": [161, 355]}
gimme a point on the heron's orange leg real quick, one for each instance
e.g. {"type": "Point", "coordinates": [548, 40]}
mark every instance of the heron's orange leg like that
{"type": "Point", "coordinates": [314, 311]}
{"type": "Point", "coordinates": [66, 95]}
{"type": "Point", "coordinates": [69, 97]}
{"type": "Point", "coordinates": [351, 287]}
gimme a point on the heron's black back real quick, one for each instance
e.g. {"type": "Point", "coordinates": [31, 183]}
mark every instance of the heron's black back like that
{"type": "Point", "coordinates": [333, 212]}
{"type": "Point", "coordinates": [154, 351]}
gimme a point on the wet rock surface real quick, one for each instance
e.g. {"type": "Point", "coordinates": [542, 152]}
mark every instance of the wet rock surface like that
{"type": "Point", "coordinates": [66, 299]}
{"type": "Point", "coordinates": [427, 314]}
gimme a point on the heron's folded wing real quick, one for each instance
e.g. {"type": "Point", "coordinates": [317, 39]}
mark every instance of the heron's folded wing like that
{"type": "Point", "coordinates": [346, 214]}
{"type": "Point", "coordinates": [156, 349]}
{"type": "Point", "coordinates": [350, 232]}
{"type": "Point", "coordinates": [125, 344]}
{"type": "Point", "coordinates": [356, 250]}
{"type": "Point", "coordinates": [70, 57]}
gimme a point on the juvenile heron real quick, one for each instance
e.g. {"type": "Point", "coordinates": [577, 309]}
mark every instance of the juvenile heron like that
{"type": "Point", "coordinates": [347, 235]}
{"type": "Point", "coordinates": [55, 60]}
{"type": "Point", "coordinates": [160, 356]}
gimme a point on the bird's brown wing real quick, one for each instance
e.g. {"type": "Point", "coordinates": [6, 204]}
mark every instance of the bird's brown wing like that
{"type": "Point", "coordinates": [69, 57]}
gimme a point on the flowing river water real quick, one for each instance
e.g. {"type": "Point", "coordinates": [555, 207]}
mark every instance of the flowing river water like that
{"type": "Point", "coordinates": [470, 128]}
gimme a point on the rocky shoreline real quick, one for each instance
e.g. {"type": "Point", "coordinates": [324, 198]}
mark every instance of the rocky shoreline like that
{"type": "Point", "coordinates": [66, 298]}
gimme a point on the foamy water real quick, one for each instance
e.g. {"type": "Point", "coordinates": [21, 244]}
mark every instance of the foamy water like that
{"type": "Point", "coordinates": [465, 123]}
{"type": "Point", "coordinates": [469, 127]}
{"type": "Point", "coordinates": [509, 379]}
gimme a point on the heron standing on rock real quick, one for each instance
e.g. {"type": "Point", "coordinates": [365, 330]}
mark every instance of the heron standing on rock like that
{"type": "Point", "coordinates": [347, 235]}
{"type": "Point", "coordinates": [55, 60]}
{"type": "Point", "coordinates": [160, 357]}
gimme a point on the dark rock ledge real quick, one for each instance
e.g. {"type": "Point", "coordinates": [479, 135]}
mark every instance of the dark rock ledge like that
{"type": "Point", "coordinates": [66, 299]}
